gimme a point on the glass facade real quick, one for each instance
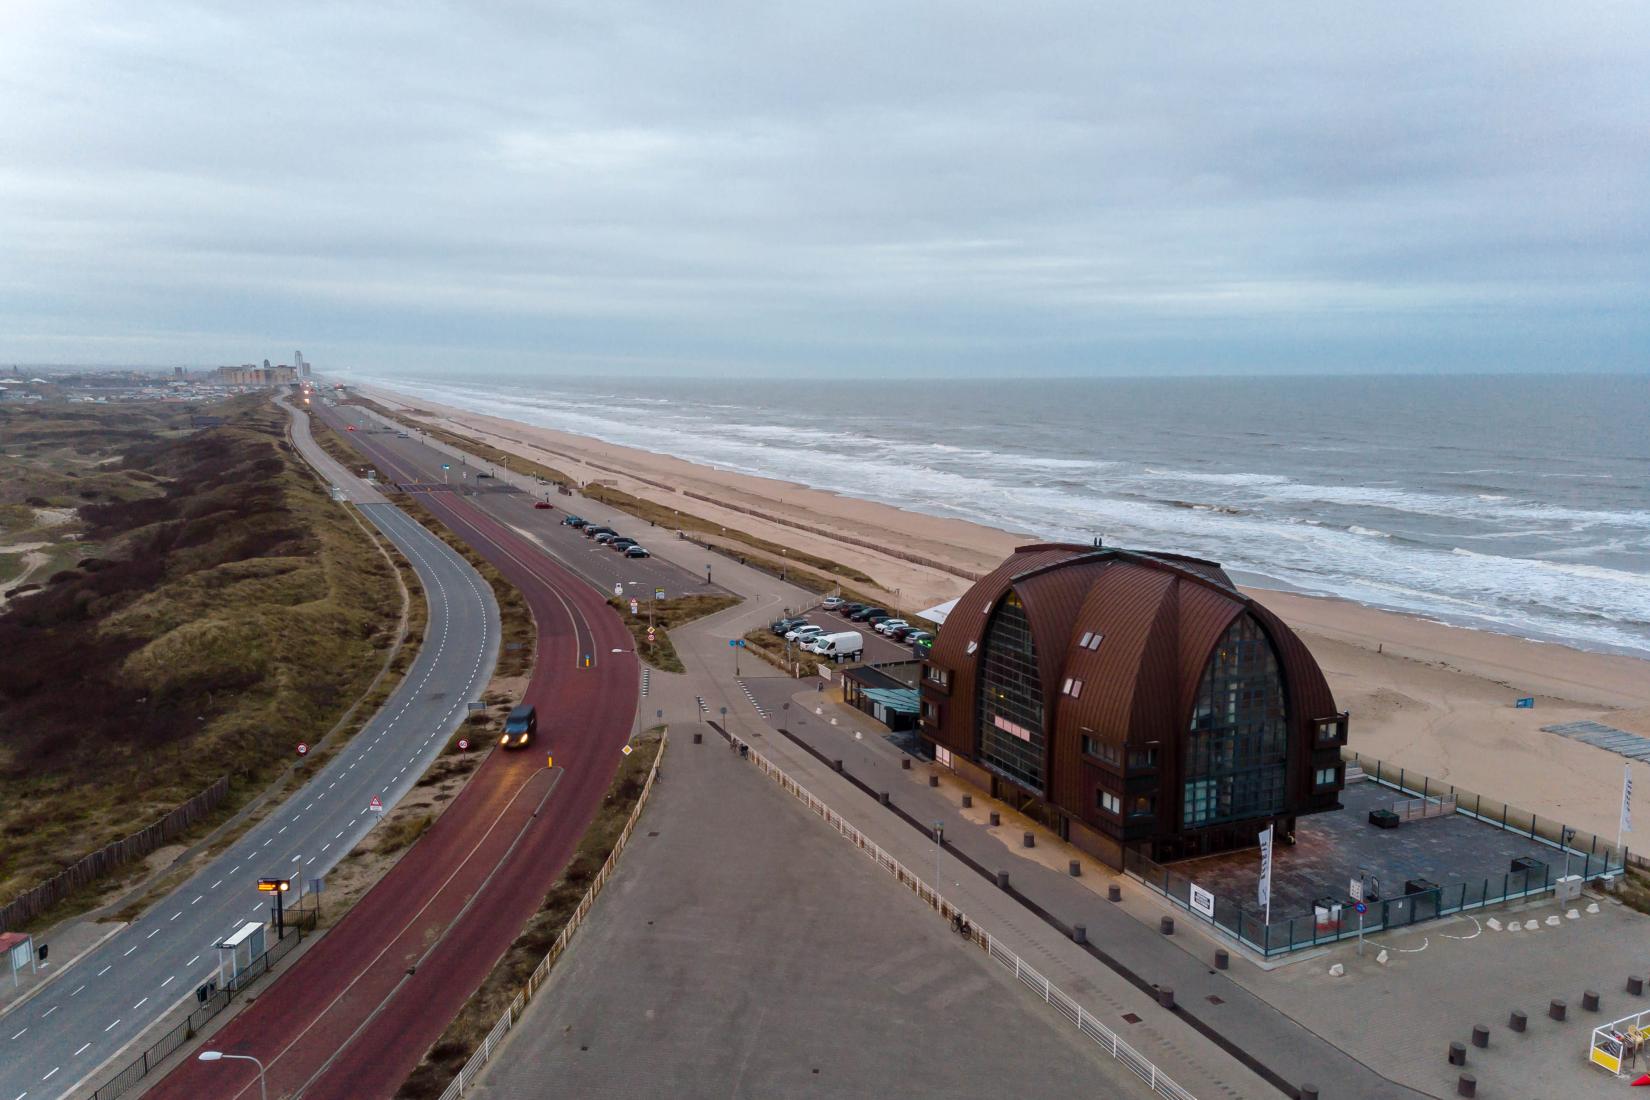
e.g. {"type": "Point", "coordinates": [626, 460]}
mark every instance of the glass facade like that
{"type": "Point", "coordinates": [1237, 746]}
{"type": "Point", "coordinates": [1010, 712]}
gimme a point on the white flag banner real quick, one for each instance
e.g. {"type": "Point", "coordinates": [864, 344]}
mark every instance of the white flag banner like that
{"type": "Point", "coordinates": [1627, 798]}
{"type": "Point", "coordinates": [1263, 892]}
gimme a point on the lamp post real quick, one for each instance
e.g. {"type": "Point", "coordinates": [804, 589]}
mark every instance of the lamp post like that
{"type": "Point", "coordinates": [215, 1055]}
{"type": "Point", "coordinates": [939, 845]}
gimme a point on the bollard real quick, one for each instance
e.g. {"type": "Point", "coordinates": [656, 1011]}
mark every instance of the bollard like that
{"type": "Point", "coordinates": [1635, 985]}
{"type": "Point", "coordinates": [968, 800]}
{"type": "Point", "coordinates": [1309, 1092]}
{"type": "Point", "coordinates": [1466, 1085]}
{"type": "Point", "coordinates": [1556, 1009]}
{"type": "Point", "coordinates": [1589, 1001]}
{"type": "Point", "coordinates": [1457, 1054]}
{"type": "Point", "coordinates": [698, 739]}
{"type": "Point", "coordinates": [1002, 880]}
{"type": "Point", "coordinates": [1165, 996]}
{"type": "Point", "coordinates": [905, 763]}
{"type": "Point", "coordinates": [1079, 933]}
{"type": "Point", "coordinates": [996, 818]}
{"type": "Point", "coordinates": [1222, 959]}
{"type": "Point", "coordinates": [884, 797]}
{"type": "Point", "coordinates": [836, 765]}
{"type": "Point", "coordinates": [1518, 1021]}
{"type": "Point", "coordinates": [1030, 840]}
{"type": "Point", "coordinates": [1114, 892]}
{"type": "Point", "coordinates": [1076, 869]}
{"type": "Point", "coordinates": [1480, 1036]}
{"type": "Point", "coordinates": [933, 781]}
{"type": "Point", "coordinates": [1166, 926]}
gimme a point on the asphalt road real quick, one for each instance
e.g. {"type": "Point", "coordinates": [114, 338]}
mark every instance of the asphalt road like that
{"type": "Point", "coordinates": [353, 1016]}
{"type": "Point", "coordinates": [73, 1030]}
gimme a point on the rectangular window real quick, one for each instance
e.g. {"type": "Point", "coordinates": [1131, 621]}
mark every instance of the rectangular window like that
{"type": "Point", "coordinates": [1074, 688]}
{"type": "Point", "coordinates": [1143, 758]}
{"type": "Point", "coordinates": [1143, 805]}
{"type": "Point", "coordinates": [1092, 641]}
{"type": "Point", "coordinates": [1324, 777]}
{"type": "Point", "coordinates": [941, 676]}
{"type": "Point", "coordinates": [1099, 749]}
{"type": "Point", "coordinates": [1084, 640]}
{"type": "Point", "coordinates": [942, 755]}
{"type": "Point", "coordinates": [973, 646]}
{"type": "Point", "coordinates": [1109, 802]}
{"type": "Point", "coordinates": [1011, 727]}
{"type": "Point", "coordinates": [1065, 689]}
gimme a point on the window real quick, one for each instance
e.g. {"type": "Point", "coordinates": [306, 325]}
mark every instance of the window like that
{"type": "Point", "coordinates": [940, 676]}
{"type": "Point", "coordinates": [1324, 777]}
{"type": "Point", "coordinates": [1143, 805]}
{"type": "Point", "coordinates": [1009, 720]}
{"type": "Point", "coordinates": [1329, 731]}
{"type": "Point", "coordinates": [1084, 640]}
{"type": "Point", "coordinates": [1109, 802]}
{"type": "Point", "coordinates": [1143, 758]}
{"type": "Point", "coordinates": [1073, 688]}
{"type": "Point", "coordinates": [942, 755]}
{"type": "Point", "coordinates": [931, 710]}
{"type": "Point", "coordinates": [1091, 641]}
{"type": "Point", "coordinates": [973, 646]}
{"type": "Point", "coordinates": [1099, 749]}
{"type": "Point", "coordinates": [1237, 743]}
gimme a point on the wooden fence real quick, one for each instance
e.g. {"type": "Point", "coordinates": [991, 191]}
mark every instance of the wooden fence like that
{"type": "Point", "coordinates": [30, 904]}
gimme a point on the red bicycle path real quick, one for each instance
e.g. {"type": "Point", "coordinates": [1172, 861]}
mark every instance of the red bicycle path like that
{"type": "Point", "coordinates": [349, 1020]}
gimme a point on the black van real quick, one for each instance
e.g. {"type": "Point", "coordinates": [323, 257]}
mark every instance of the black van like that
{"type": "Point", "coordinates": [520, 726]}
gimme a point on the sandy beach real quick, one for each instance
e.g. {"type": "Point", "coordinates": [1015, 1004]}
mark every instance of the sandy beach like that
{"type": "Point", "coordinates": [1433, 698]}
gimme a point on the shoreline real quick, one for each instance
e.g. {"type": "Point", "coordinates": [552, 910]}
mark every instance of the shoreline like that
{"type": "Point", "coordinates": [1435, 696]}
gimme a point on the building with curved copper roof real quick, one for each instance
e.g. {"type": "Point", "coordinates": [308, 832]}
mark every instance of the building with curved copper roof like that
{"type": "Point", "coordinates": [1132, 701]}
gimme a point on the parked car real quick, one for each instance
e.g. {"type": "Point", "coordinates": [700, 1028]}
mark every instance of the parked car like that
{"type": "Point", "coordinates": [803, 632]}
{"type": "Point", "coordinates": [866, 611]}
{"type": "Point", "coordinates": [401, 435]}
{"type": "Point", "coordinates": [832, 603]}
{"type": "Point", "coordinates": [480, 476]}
{"type": "Point", "coordinates": [848, 610]}
{"type": "Point", "coordinates": [520, 726]}
{"type": "Point", "coordinates": [781, 627]}
{"type": "Point", "coordinates": [917, 637]}
{"type": "Point", "coordinates": [591, 531]}
{"type": "Point", "coordinates": [636, 552]}
{"type": "Point", "coordinates": [888, 626]}
{"type": "Point", "coordinates": [900, 631]}
{"type": "Point", "coordinates": [606, 536]}
{"type": "Point", "coordinates": [922, 646]}
{"type": "Point", "coordinates": [839, 646]}
{"type": "Point", "coordinates": [541, 504]}
{"type": "Point", "coordinates": [571, 520]}
{"type": "Point", "coordinates": [620, 543]}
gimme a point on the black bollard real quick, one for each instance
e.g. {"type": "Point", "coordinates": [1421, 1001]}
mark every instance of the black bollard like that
{"type": "Point", "coordinates": [933, 781]}
{"type": "Point", "coordinates": [1635, 985]}
{"type": "Point", "coordinates": [836, 764]}
{"type": "Point", "coordinates": [1166, 926]}
{"type": "Point", "coordinates": [1165, 996]}
{"type": "Point", "coordinates": [1079, 933]}
{"type": "Point", "coordinates": [968, 800]}
{"type": "Point", "coordinates": [996, 818]}
{"type": "Point", "coordinates": [1518, 1021]}
{"type": "Point", "coordinates": [884, 797]}
{"type": "Point", "coordinates": [1556, 1009]}
{"type": "Point", "coordinates": [1114, 892]}
{"type": "Point", "coordinates": [698, 739]}
{"type": "Point", "coordinates": [905, 763]}
{"type": "Point", "coordinates": [1466, 1085]}
{"type": "Point", "coordinates": [1222, 958]}
{"type": "Point", "coordinates": [1002, 880]}
{"type": "Point", "coordinates": [1589, 1001]}
{"type": "Point", "coordinates": [1076, 869]}
{"type": "Point", "coordinates": [1030, 840]}
{"type": "Point", "coordinates": [1457, 1054]}
{"type": "Point", "coordinates": [1480, 1036]}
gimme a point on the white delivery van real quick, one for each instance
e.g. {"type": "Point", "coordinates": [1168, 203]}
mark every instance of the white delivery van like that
{"type": "Point", "coordinates": [839, 646]}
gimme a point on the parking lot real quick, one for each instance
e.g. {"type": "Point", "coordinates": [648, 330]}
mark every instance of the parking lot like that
{"type": "Point", "coordinates": [878, 649]}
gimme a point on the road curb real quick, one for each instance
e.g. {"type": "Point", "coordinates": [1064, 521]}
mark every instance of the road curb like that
{"type": "Point", "coordinates": [87, 950]}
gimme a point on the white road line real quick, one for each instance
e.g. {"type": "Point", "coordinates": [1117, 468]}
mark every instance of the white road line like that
{"type": "Point", "coordinates": [152, 935]}
{"type": "Point", "coordinates": [102, 972]}
{"type": "Point", "coordinates": [192, 961]}
{"type": "Point", "coordinates": [214, 886]}
{"type": "Point", "coordinates": [327, 845]}
{"type": "Point", "coordinates": [77, 991]}
{"type": "Point", "coordinates": [129, 950]}
{"type": "Point", "coordinates": [232, 870]}
{"type": "Point", "coordinates": [297, 857]}
{"type": "Point", "coordinates": [81, 1051]}
{"type": "Point", "coordinates": [49, 1011]}
{"type": "Point", "coordinates": [140, 1004]}
{"type": "Point", "coordinates": [308, 861]}
{"type": "Point", "coordinates": [176, 915]}
{"type": "Point", "coordinates": [110, 1028]}
{"type": "Point", "coordinates": [257, 905]}
{"type": "Point", "coordinates": [19, 1034]}
{"type": "Point", "coordinates": [169, 981]}
{"type": "Point", "coordinates": [52, 1074]}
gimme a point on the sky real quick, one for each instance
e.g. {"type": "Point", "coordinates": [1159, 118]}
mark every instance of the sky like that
{"type": "Point", "coordinates": [862, 189]}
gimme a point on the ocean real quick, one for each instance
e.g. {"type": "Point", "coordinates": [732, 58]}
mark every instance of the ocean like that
{"type": "Point", "coordinates": [1517, 504]}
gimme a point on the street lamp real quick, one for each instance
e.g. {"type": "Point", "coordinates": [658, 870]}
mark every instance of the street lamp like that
{"type": "Point", "coordinates": [215, 1055]}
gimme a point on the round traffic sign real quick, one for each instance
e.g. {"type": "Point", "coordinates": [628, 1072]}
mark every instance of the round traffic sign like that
{"type": "Point", "coordinates": [302, 748]}
{"type": "Point", "coordinates": [1361, 907]}
{"type": "Point", "coordinates": [463, 743]}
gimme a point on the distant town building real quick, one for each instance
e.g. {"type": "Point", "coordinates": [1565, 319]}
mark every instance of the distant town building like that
{"type": "Point", "coordinates": [1133, 702]}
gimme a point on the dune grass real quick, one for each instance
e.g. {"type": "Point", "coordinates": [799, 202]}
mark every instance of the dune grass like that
{"type": "Point", "coordinates": [667, 614]}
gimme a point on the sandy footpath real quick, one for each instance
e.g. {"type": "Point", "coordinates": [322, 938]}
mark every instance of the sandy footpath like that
{"type": "Point", "coordinates": [1434, 698]}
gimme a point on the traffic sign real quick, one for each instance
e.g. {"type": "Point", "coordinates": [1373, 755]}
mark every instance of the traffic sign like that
{"type": "Point", "coordinates": [737, 643]}
{"type": "Point", "coordinates": [302, 748]}
{"type": "Point", "coordinates": [1361, 907]}
{"type": "Point", "coordinates": [1356, 889]}
{"type": "Point", "coordinates": [549, 761]}
{"type": "Point", "coordinates": [633, 605]}
{"type": "Point", "coordinates": [274, 885]}
{"type": "Point", "coordinates": [618, 589]}
{"type": "Point", "coordinates": [650, 635]}
{"type": "Point", "coordinates": [658, 593]}
{"type": "Point", "coordinates": [626, 750]}
{"type": "Point", "coordinates": [446, 466]}
{"type": "Point", "coordinates": [376, 805]}
{"type": "Point", "coordinates": [463, 744]}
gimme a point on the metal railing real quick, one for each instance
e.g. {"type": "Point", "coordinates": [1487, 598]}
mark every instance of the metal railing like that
{"type": "Point", "coordinates": [512, 1013]}
{"type": "Point", "coordinates": [1082, 1018]}
{"type": "Point", "coordinates": [299, 921]}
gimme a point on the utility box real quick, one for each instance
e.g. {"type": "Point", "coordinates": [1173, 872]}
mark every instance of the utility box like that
{"type": "Point", "coordinates": [1567, 888]}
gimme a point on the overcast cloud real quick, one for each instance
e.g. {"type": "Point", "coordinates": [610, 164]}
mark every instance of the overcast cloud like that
{"type": "Point", "coordinates": [864, 187]}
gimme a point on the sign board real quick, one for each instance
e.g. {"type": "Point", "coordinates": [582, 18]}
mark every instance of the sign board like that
{"type": "Point", "coordinates": [633, 605]}
{"type": "Point", "coordinates": [1203, 901]}
{"type": "Point", "coordinates": [1526, 703]}
{"type": "Point", "coordinates": [302, 748]}
{"type": "Point", "coordinates": [658, 593]}
{"type": "Point", "coordinates": [650, 635]}
{"type": "Point", "coordinates": [1361, 907]}
{"type": "Point", "coordinates": [627, 750]}
{"type": "Point", "coordinates": [618, 589]}
{"type": "Point", "coordinates": [1356, 890]}
{"type": "Point", "coordinates": [737, 643]}
{"type": "Point", "coordinates": [463, 744]}
{"type": "Point", "coordinates": [376, 805]}
{"type": "Point", "coordinates": [445, 466]}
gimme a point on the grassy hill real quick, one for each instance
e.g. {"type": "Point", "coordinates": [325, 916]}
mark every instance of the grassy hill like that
{"type": "Point", "coordinates": [219, 609]}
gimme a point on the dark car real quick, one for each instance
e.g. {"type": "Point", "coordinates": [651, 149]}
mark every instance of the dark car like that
{"type": "Point", "coordinates": [923, 646]}
{"type": "Point", "coordinates": [620, 543]}
{"type": "Point", "coordinates": [520, 726]}
{"type": "Point", "coordinates": [480, 476]}
{"type": "Point", "coordinates": [901, 631]}
{"type": "Point", "coordinates": [849, 610]}
{"type": "Point", "coordinates": [874, 618]}
{"type": "Point", "coordinates": [541, 504]}
{"type": "Point", "coordinates": [863, 615]}
{"type": "Point", "coordinates": [782, 627]}
{"type": "Point", "coordinates": [918, 637]}
{"type": "Point", "coordinates": [574, 521]}
{"type": "Point", "coordinates": [592, 531]}
{"type": "Point", "coordinates": [636, 552]}
{"type": "Point", "coordinates": [605, 536]}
